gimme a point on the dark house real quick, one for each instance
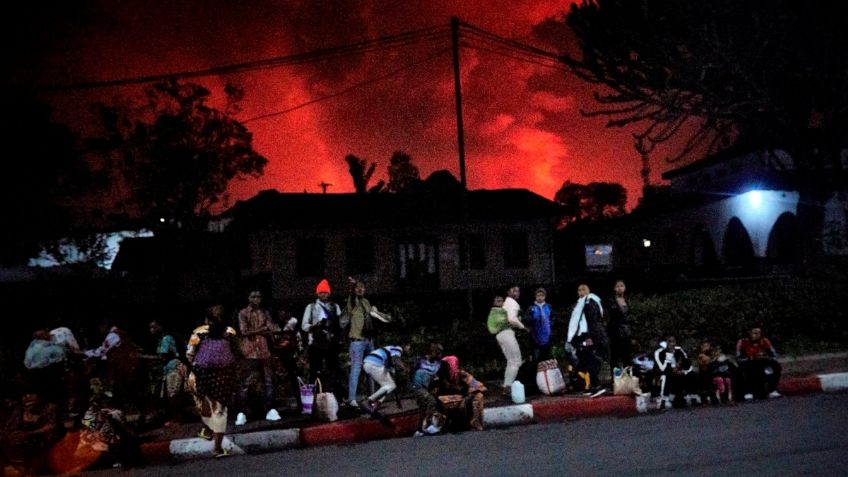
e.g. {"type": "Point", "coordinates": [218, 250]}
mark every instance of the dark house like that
{"type": "Point", "coordinates": [401, 243]}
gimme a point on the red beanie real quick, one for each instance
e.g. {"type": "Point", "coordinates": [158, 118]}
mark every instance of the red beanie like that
{"type": "Point", "coordinates": [323, 287]}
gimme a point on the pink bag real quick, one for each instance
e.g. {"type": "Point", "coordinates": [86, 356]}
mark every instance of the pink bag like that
{"type": "Point", "coordinates": [307, 396]}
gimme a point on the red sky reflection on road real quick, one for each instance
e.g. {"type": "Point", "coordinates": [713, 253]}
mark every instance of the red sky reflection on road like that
{"type": "Point", "coordinates": [522, 120]}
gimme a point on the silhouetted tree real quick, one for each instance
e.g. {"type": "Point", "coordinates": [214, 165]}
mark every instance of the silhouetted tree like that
{"type": "Point", "coordinates": [360, 175]}
{"type": "Point", "coordinates": [403, 174]}
{"type": "Point", "coordinates": [43, 172]}
{"type": "Point", "coordinates": [593, 201]}
{"type": "Point", "coordinates": [768, 72]}
{"type": "Point", "coordinates": [175, 154]}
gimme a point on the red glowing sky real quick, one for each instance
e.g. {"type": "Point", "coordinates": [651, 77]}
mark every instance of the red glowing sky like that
{"type": "Point", "coordinates": [522, 121]}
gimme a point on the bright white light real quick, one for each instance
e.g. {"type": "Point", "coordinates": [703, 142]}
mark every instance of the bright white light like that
{"type": "Point", "coordinates": [755, 197]}
{"type": "Point", "coordinates": [162, 220]}
{"type": "Point", "coordinates": [646, 243]}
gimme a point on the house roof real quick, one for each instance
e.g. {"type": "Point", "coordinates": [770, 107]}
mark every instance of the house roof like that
{"type": "Point", "coordinates": [185, 251]}
{"type": "Point", "coordinates": [434, 202]}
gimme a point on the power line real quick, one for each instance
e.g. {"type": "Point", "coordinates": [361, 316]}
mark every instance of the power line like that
{"type": "Point", "coordinates": [365, 46]}
{"type": "Point", "coordinates": [526, 53]}
{"type": "Point", "coordinates": [348, 89]}
{"type": "Point", "coordinates": [518, 46]}
{"type": "Point", "coordinates": [527, 59]}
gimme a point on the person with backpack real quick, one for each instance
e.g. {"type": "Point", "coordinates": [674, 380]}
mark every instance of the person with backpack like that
{"type": "Point", "coordinates": [321, 320]}
{"type": "Point", "coordinates": [506, 338]}
{"type": "Point", "coordinates": [586, 337]}
{"type": "Point", "coordinates": [211, 352]}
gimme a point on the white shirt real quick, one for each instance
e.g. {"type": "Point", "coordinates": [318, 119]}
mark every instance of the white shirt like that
{"type": "Point", "coordinates": [512, 309]}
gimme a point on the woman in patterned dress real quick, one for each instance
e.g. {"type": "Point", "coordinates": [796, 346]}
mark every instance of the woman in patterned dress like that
{"type": "Point", "coordinates": [210, 350]}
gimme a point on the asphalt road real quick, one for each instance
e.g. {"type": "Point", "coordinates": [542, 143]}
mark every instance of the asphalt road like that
{"type": "Point", "coordinates": [783, 437]}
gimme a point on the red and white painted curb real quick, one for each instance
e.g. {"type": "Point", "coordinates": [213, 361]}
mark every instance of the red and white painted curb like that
{"type": "Point", "coordinates": [554, 409]}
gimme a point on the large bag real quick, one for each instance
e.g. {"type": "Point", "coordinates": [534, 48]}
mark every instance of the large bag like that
{"type": "Point", "coordinates": [326, 406]}
{"type": "Point", "coordinates": [626, 384]}
{"type": "Point", "coordinates": [549, 377]}
{"type": "Point", "coordinates": [307, 395]}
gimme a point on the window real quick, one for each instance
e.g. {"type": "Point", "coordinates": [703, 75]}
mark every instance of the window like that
{"type": "Point", "coordinates": [477, 252]}
{"type": "Point", "coordinates": [599, 256]}
{"type": "Point", "coordinates": [359, 252]}
{"type": "Point", "coordinates": [310, 257]}
{"type": "Point", "coordinates": [516, 250]}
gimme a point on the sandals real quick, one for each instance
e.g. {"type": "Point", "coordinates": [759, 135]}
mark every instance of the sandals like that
{"type": "Point", "coordinates": [223, 453]}
{"type": "Point", "coordinates": [202, 434]}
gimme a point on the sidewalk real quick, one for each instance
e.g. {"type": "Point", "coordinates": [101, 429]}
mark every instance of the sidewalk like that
{"type": "Point", "coordinates": [803, 375]}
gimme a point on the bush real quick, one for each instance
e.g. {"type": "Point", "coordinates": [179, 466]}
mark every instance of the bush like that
{"type": "Point", "coordinates": [799, 315]}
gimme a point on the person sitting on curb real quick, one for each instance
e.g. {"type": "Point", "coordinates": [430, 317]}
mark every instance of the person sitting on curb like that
{"type": "Point", "coordinates": [460, 396]}
{"type": "Point", "coordinates": [28, 434]}
{"type": "Point", "coordinates": [760, 368]}
{"type": "Point", "coordinates": [379, 365]}
{"type": "Point", "coordinates": [422, 375]}
{"type": "Point", "coordinates": [677, 378]}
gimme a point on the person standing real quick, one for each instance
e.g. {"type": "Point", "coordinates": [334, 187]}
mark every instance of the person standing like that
{"type": "Point", "coordinates": [619, 326]}
{"type": "Point", "coordinates": [287, 345]}
{"type": "Point", "coordinates": [360, 334]}
{"type": "Point", "coordinates": [539, 319]}
{"type": "Point", "coordinates": [210, 351]}
{"type": "Point", "coordinates": [123, 370]}
{"type": "Point", "coordinates": [173, 372]}
{"type": "Point", "coordinates": [255, 327]}
{"type": "Point", "coordinates": [45, 364]}
{"type": "Point", "coordinates": [586, 335]}
{"type": "Point", "coordinates": [321, 320]}
{"type": "Point", "coordinates": [506, 338]}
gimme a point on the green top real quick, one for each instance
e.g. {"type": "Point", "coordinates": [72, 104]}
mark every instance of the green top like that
{"type": "Point", "coordinates": [497, 321]}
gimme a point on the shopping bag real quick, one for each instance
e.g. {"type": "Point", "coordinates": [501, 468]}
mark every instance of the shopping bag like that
{"type": "Point", "coordinates": [307, 396]}
{"type": "Point", "coordinates": [626, 384]}
{"type": "Point", "coordinates": [326, 406]}
{"type": "Point", "coordinates": [549, 377]}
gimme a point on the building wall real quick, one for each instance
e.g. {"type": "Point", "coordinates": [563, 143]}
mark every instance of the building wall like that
{"type": "Point", "coordinates": [275, 253]}
{"type": "Point", "coordinates": [672, 235]}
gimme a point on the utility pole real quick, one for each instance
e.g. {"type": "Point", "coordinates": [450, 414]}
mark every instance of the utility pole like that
{"type": "Point", "coordinates": [464, 237]}
{"type": "Point", "coordinates": [645, 151]}
{"type": "Point", "coordinates": [324, 187]}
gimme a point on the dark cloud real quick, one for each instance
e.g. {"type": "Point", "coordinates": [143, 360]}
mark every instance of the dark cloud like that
{"type": "Point", "coordinates": [523, 126]}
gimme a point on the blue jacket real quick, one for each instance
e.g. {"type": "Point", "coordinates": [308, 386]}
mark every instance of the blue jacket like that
{"type": "Point", "coordinates": [539, 318]}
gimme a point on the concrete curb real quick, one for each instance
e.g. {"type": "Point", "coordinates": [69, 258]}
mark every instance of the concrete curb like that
{"type": "Point", "coordinates": [360, 430]}
{"type": "Point", "coordinates": [508, 415]}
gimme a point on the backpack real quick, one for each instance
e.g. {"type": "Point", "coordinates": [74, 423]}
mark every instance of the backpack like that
{"type": "Point", "coordinates": [497, 320]}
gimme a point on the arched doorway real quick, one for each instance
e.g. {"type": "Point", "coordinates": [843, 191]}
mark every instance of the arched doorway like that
{"type": "Point", "coordinates": [703, 253]}
{"type": "Point", "coordinates": [738, 249]}
{"type": "Point", "coordinates": [783, 241]}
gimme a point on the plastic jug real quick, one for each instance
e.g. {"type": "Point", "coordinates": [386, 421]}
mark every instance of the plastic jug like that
{"type": "Point", "coordinates": [517, 392]}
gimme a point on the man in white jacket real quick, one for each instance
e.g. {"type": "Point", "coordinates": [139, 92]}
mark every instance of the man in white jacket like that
{"type": "Point", "coordinates": [587, 337]}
